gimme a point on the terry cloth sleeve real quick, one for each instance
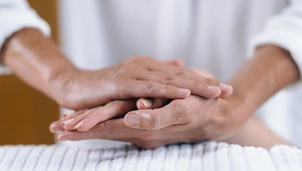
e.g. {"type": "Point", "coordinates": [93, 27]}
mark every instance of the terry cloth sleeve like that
{"type": "Point", "coordinates": [16, 15]}
{"type": "Point", "coordinates": [283, 30]}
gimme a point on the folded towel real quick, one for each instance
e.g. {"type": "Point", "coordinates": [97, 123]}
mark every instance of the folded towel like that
{"type": "Point", "coordinates": [207, 156]}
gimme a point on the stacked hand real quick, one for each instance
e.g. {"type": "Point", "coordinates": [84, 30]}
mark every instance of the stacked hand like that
{"type": "Point", "coordinates": [187, 106]}
{"type": "Point", "coordinates": [135, 78]}
{"type": "Point", "coordinates": [180, 120]}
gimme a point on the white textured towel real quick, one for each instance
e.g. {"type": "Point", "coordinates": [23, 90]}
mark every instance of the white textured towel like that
{"type": "Point", "coordinates": [207, 156]}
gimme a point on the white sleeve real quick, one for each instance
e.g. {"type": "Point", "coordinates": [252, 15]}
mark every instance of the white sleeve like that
{"type": "Point", "coordinates": [283, 30]}
{"type": "Point", "coordinates": [16, 15]}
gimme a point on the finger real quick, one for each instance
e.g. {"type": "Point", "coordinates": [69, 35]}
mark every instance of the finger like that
{"type": "Point", "coordinates": [72, 123]}
{"type": "Point", "coordinates": [72, 115]}
{"type": "Point", "coordinates": [147, 103]}
{"type": "Point", "coordinates": [205, 87]}
{"type": "Point", "coordinates": [156, 66]}
{"type": "Point", "coordinates": [141, 89]}
{"type": "Point", "coordinates": [56, 127]}
{"type": "Point", "coordinates": [226, 90]}
{"type": "Point", "coordinates": [109, 111]}
{"type": "Point", "coordinates": [175, 70]}
{"type": "Point", "coordinates": [111, 130]}
{"type": "Point", "coordinates": [170, 71]}
{"type": "Point", "coordinates": [155, 119]}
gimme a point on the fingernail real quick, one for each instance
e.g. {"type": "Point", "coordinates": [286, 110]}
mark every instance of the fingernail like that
{"type": "Point", "coordinates": [67, 122]}
{"type": "Point", "coordinates": [213, 88]}
{"type": "Point", "coordinates": [65, 115]}
{"type": "Point", "coordinates": [132, 119]}
{"type": "Point", "coordinates": [79, 124]}
{"type": "Point", "coordinates": [182, 91]}
{"type": "Point", "coordinates": [225, 86]}
{"type": "Point", "coordinates": [147, 103]}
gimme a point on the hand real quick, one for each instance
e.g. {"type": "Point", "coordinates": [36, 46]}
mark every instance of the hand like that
{"type": "Point", "coordinates": [85, 120]}
{"type": "Point", "coordinates": [39, 62]}
{"type": "Point", "coordinates": [216, 119]}
{"type": "Point", "coordinates": [136, 77]}
{"type": "Point", "coordinates": [183, 120]}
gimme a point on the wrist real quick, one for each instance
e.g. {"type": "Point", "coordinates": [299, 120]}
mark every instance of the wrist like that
{"type": "Point", "coordinates": [36, 60]}
{"type": "Point", "coordinates": [271, 69]}
{"type": "Point", "coordinates": [60, 82]}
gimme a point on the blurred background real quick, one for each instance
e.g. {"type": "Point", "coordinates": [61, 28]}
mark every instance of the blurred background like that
{"type": "Point", "coordinates": [25, 113]}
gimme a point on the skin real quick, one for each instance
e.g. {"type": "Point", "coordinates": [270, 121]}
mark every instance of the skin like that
{"type": "Point", "coordinates": [86, 119]}
{"type": "Point", "coordinates": [253, 133]}
{"type": "Point", "coordinates": [39, 62]}
{"type": "Point", "coordinates": [195, 119]}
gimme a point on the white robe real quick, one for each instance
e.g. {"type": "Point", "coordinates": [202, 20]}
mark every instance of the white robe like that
{"type": "Point", "coordinates": [217, 36]}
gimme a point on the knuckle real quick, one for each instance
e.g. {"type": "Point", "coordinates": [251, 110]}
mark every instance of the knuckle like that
{"type": "Point", "coordinates": [180, 71]}
{"type": "Point", "coordinates": [155, 122]}
{"type": "Point", "coordinates": [166, 77]}
{"type": "Point", "coordinates": [146, 135]}
{"type": "Point", "coordinates": [150, 86]}
{"type": "Point", "coordinates": [104, 134]}
{"type": "Point", "coordinates": [211, 81]}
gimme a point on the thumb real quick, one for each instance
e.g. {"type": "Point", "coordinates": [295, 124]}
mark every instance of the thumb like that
{"type": "Point", "coordinates": [151, 119]}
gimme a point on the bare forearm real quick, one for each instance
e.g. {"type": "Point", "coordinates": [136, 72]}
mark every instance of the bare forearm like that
{"type": "Point", "coordinates": [35, 59]}
{"type": "Point", "coordinates": [38, 62]}
{"type": "Point", "coordinates": [270, 70]}
{"type": "Point", "coordinates": [255, 133]}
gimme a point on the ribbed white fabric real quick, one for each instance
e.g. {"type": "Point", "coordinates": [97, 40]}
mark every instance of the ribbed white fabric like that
{"type": "Point", "coordinates": [208, 156]}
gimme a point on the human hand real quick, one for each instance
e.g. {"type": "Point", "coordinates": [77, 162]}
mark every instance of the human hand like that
{"type": "Point", "coordinates": [40, 63]}
{"type": "Point", "coordinates": [136, 77]}
{"type": "Point", "coordinates": [183, 120]}
{"type": "Point", "coordinates": [85, 120]}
